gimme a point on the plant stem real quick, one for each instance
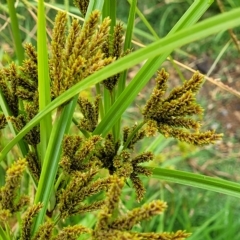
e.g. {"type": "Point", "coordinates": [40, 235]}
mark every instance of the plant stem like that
{"type": "Point", "coordinates": [127, 45]}
{"type": "Point", "coordinates": [43, 80]}
{"type": "Point", "coordinates": [133, 133]}
{"type": "Point", "coordinates": [50, 164]}
{"type": "Point", "coordinates": [15, 31]}
{"type": "Point", "coordinates": [85, 133]}
{"type": "Point", "coordinates": [101, 108]}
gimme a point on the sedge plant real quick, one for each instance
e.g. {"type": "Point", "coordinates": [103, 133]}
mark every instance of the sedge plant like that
{"type": "Point", "coordinates": [72, 165]}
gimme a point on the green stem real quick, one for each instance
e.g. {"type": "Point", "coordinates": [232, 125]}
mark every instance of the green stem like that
{"type": "Point", "coordinates": [15, 31]}
{"type": "Point", "coordinates": [101, 108]}
{"type": "Point", "coordinates": [85, 133]}
{"type": "Point", "coordinates": [106, 100]}
{"type": "Point", "coordinates": [127, 45]}
{"type": "Point", "coordinates": [66, 6]}
{"type": "Point", "coordinates": [60, 178]}
{"type": "Point", "coordinates": [57, 218]}
{"type": "Point", "coordinates": [50, 164]}
{"type": "Point", "coordinates": [133, 133]}
{"type": "Point", "coordinates": [143, 18]}
{"type": "Point", "coordinates": [162, 215]}
{"type": "Point", "coordinates": [52, 157]}
{"type": "Point", "coordinates": [155, 35]}
{"type": "Point", "coordinates": [43, 80]}
{"type": "Point", "coordinates": [3, 234]}
{"type": "Point", "coordinates": [109, 10]}
{"type": "Point", "coordinates": [115, 128]}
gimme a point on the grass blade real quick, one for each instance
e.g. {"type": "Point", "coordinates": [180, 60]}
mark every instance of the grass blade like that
{"type": "Point", "coordinates": [144, 20]}
{"type": "Point", "coordinates": [109, 10]}
{"type": "Point", "coordinates": [15, 31]}
{"type": "Point", "coordinates": [50, 164]}
{"type": "Point", "coordinates": [197, 180]}
{"type": "Point", "coordinates": [127, 45]}
{"type": "Point", "coordinates": [43, 79]}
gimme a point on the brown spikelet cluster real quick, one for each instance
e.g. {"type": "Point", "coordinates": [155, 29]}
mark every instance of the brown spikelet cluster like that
{"type": "Point", "coordinates": [76, 56]}
{"type": "Point", "coordinates": [170, 115]}
{"type": "Point", "coordinates": [3, 121]}
{"type": "Point", "coordinates": [34, 165]}
{"type": "Point", "coordinates": [90, 113]}
{"type": "Point", "coordinates": [80, 167]}
{"type": "Point", "coordinates": [81, 155]}
{"type": "Point", "coordinates": [27, 91]}
{"type": "Point", "coordinates": [78, 154]}
{"type": "Point", "coordinates": [21, 84]}
{"type": "Point", "coordinates": [132, 135]}
{"type": "Point", "coordinates": [80, 187]}
{"type": "Point", "coordinates": [107, 152]}
{"type": "Point", "coordinates": [44, 231]}
{"type": "Point", "coordinates": [10, 191]}
{"type": "Point", "coordinates": [82, 5]}
{"type": "Point", "coordinates": [8, 85]}
{"type": "Point", "coordinates": [114, 48]}
{"type": "Point", "coordinates": [140, 170]}
{"type": "Point", "coordinates": [104, 153]}
{"type": "Point", "coordinates": [111, 225]}
{"type": "Point", "coordinates": [71, 232]}
{"type": "Point", "coordinates": [28, 219]}
{"type": "Point", "coordinates": [127, 167]}
{"type": "Point", "coordinates": [151, 128]}
{"type": "Point", "coordinates": [179, 235]}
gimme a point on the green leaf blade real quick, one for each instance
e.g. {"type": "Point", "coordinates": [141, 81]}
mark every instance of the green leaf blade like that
{"type": "Point", "coordinates": [43, 79]}
{"type": "Point", "coordinates": [196, 180]}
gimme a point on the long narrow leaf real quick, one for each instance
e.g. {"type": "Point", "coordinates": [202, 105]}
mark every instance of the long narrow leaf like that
{"type": "Point", "coordinates": [15, 31]}
{"type": "Point", "coordinates": [50, 165]}
{"type": "Point", "coordinates": [144, 20]}
{"type": "Point", "coordinates": [109, 10]}
{"type": "Point", "coordinates": [127, 45]}
{"type": "Point", "coordinates": [198, 181]}
{"type": "Point", "coordinates": [43, 79]}
{"type": "Point", "coordinates": [3, 234]}
{"type": "Point", "coordinates": [94, 4]}
{"type": "Point", "coordinates": [200, 30]}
